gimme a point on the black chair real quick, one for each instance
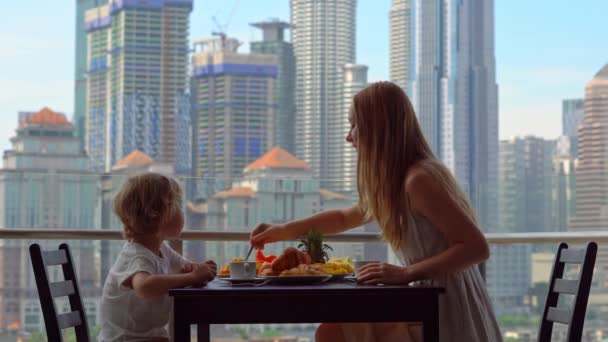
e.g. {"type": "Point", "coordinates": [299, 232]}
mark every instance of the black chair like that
{"type": "Point", "coordinates": [47, 291]}
{"type": "Point", "coordinates": [580, 288]}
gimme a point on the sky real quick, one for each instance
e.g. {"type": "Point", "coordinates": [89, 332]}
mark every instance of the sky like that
{"type": "Point", "coordinates": [546, 50]}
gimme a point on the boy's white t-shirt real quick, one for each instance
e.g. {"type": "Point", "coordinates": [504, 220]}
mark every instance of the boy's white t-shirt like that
{"type": "Point", "coordinates": [124, 316]}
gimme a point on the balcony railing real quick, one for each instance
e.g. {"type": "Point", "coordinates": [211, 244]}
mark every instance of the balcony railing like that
{"type": "Point", "coordinates": [527, 304]}
{"type": "Point", "coordinates": [190, 235]}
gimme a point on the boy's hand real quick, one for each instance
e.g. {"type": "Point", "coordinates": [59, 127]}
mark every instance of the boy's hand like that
{"type": "Point", "coordinates": [187, 268]}
{"type": "Point", "coordinates": [202, 273]}
{"type": "Point", "coordinates": [213, 266]}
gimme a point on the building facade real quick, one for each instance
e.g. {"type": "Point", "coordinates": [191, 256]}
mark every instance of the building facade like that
{"type": "Point", "coordinates": [273, 43]}
{"type": "Point", "coordinates": [324, 41]}
{"type": "Point", "coordinates": [342, 170]}
{"type": "Point", "coordinates": [563, 196]}
{"type": "Point", "coordinates": [44, 183]}
{"type": "Point", "coordinates": [234, 108]}
{"type": "Point", "coordinates": [572, 116]}
{"type": "Point", "coordinates": [592, 169]}
{"type": "Point", "coordinates": [442, 55]}
{"type": "Point", "coordinates": [525, 197]}
{"type": "Point", "coordinates": [276, 188]}
{"type": "Point", "coordinates": [137, 80]}
{"type": "Point", "coordinates": [80, 66]}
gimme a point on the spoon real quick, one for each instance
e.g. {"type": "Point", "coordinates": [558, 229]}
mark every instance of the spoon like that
{"type": "Point", "coordinates": [249, 253]}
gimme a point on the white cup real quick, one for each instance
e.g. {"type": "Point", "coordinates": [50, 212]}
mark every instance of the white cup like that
{"type": "Point", "coordinates": [242, 270]}
{"type": "Point", "coordinates": [359, 264]}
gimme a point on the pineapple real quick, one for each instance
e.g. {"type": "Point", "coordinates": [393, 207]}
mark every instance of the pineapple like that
{"type": "Point", "coordinates": [313, 245]}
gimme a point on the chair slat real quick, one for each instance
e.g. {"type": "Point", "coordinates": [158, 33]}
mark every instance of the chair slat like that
{"type": "Point", "coordinates": [566, 286]}
{"type": "Point", "coordinates": [68, 320]}
{"type": "Point", "coordinates": [558, 315]}
{"type": "Point", "coordinates": [572, 256]}
{"type": "Point", "coordinates": [62, 288]}
{"type": "Point", "coordinates": [57, 257]}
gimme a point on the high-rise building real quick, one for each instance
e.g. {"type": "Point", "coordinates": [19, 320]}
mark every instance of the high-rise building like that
{"type": "Point", "coordinates": [442, 55]}
{"type": "Point", "coordinates": [137, 78]}
{"type": "Point", "coordinates": [342, 168]}
{"type": "Point", "coordinates": [44, 183]}
{"type": "Point", "coordinates": [572, 117]}
{"type": "Point", "coordinates": [525, 175]}
{"type": "Point", "coordinates": [80, 67]}
{"type": "Point", "coordinates": [323, 37]}
{"type": "Point", "coordinates": [234, 107]}
{"type": "Point", "coordinates": [563, 196]}
{"type": "Point", "coordinates": [592, 169]}
{"type": "Point", "coordinates": [273, 43]}
{"type": "Point", "coordinates": [525, 168]}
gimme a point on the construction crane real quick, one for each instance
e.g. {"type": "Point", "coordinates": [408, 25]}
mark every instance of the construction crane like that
{"type": "Point", "coordinates": [221, 30]}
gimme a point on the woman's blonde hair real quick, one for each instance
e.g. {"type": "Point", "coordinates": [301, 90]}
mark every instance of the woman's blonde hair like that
{"type": "Point", "coordinates": [145, 202]}
{"type": "Point", "coordinates": [389, 143]}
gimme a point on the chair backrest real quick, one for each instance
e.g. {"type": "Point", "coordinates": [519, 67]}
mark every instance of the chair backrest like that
{"type": "Point", "coordinates": [580, 287]}
{"type": "Point", "coordinates": [47, 291]}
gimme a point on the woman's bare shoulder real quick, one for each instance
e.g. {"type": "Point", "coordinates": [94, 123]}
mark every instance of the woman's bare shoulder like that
{"type": "Point", "coordinates": [418, 178]}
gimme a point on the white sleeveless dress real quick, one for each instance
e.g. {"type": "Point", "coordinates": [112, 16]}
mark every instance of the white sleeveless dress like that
{"type": "Point", "coordinates": [465, 310]}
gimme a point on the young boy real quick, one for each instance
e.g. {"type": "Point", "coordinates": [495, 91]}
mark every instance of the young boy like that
{"type": "Point", "coordinates": [135, 305]}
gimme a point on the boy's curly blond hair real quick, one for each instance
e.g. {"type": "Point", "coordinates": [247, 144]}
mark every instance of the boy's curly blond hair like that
{"type": "Point", "coordinates": [146, 202]}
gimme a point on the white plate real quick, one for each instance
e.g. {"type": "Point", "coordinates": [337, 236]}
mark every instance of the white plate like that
{"type": "Point", "coordinates": [242, 281]}
{"type": "Point", "coordinates": [297, 280]}
{"type": "Point", "coordinates": [337, 277]}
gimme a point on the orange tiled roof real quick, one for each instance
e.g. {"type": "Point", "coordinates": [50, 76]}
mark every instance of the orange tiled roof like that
{"type": "Point", "coordinates": [330, 195]}
{"type": "Point", "coordinates": [134, 159]}
{"type": "Point", "coordinates": [277, 158]}
{"type": "Point", "coordinates": [236, 192]}
{"type": "Point", "coordinates": [48, 117]}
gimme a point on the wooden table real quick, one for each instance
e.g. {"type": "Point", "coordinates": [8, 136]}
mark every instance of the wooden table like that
{"type": "Point", "coordinates": [222, 303]}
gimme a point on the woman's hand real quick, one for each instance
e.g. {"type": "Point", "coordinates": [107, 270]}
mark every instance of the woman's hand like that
{"type": "Point", "coordinates": [266, 233]}
{"type": "Point", "coordinates": [383, 273]}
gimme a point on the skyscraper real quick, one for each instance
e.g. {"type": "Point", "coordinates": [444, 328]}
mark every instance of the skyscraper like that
{"type": "Point", "coordinates": [525, 174]}
{"type": "Point", "coordinates": [233, 99]}
{"type": "Point", "coordinates": [442, 55]}
{"type": "Point", "coordinates": [80, 67]}
{"type": "Point", "coordinates": [525, 205]}
{"type": "Point", "coordinates": [44, 183]}
{"type": "Point", "coordinates": [342, 168]}
{"type": "Point", "coordinates": [563, 183]}
{"type": "Point", "coordinates": [323, 37]}
{"type": "Point", "coordinates": [592, 169]}
{"type": "Point", "coordinates": [572, 116]}
{"type": "Point", "coordinates": [137, 76]}
{"type": "Point", "coordinates": [273, 43]}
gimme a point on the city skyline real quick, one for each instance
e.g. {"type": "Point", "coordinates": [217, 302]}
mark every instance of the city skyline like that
{"type": "Point", "coordinates": [555, 70]}
{"type": "Point", "coordinates": [442, 55]}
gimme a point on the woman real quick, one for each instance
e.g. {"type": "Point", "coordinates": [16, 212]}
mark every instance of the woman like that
{"type": "Point", "coordinates": [422, 213]}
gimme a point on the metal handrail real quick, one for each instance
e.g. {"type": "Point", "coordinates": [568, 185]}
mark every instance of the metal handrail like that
{"type": "Point", "coordinates": [191, 235]}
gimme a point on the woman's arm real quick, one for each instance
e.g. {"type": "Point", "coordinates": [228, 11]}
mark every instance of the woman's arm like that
{"type": "Point", "coordinates": [326, 222]}
{"type": "Point", "coordinates": [467, 244]}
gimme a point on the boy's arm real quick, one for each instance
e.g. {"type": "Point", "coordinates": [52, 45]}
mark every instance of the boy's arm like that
{"type": "Point", "coordinates": [147, 285]}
